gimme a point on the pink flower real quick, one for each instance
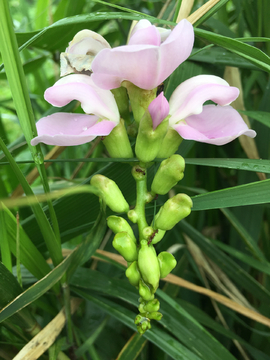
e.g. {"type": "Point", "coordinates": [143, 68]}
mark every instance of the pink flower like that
{"type": "Point", "coordinates": [66, 129]}
{"type": "Point", "coordinates": [211, 124]}
{"type": "Point", "coordinates": [147, 60]}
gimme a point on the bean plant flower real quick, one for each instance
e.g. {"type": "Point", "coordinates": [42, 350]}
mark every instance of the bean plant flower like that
{"type": "Point", "coordinates": [150, 56]}
{"type": "Point", "coordinates": [212, 124]}
{"type": "Point", "coordinates": [67, 129]}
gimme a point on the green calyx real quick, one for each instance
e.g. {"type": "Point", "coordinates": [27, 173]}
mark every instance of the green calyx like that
{"type": "Point", "coordinates": [145, 291]}
{"type": "Point", "coordinates": [148, 140]}
{"type": "Point", "coordinates": [169, 173]}
{"type": "Point", "coordinates": [170, 144]}
{"type": "Point", "coordinates": [148, 265]}
{"type": "Point", "coordinates": [139, 98]}
{"type": "Point", "coordinates": [153, 236]}
{"type": "Point", "coordinates": [117, 142]}
{"type": "Point", "coordinates": [121, 98]}
{"type": "Point", "coordinates": [167, 263]}
{"type": "Point", "coordinates": [174, 210]}
{"type": "Point", "coordinates": [111, 193]}
{"type": "Point", "coordinates": [124, 244]}
{"type": "Point", "coordinates": [118, 224]}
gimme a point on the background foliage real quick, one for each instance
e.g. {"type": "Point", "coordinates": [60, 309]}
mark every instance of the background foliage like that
{"type": "Point", "coordinates": [222, 247]}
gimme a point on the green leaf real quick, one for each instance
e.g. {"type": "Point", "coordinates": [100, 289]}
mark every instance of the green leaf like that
{"type": "Point", "coordinates": [159, 337]}
{"type": "Point", "coordinates": [30, 257]}
{"type": "Point", "coordinates": [133, 348]}
{"type": "Point", "coordinates": [231, 268]}
{"type": "Point", "coordinates": [29, 66]}
{"type": "Point", "coordinates": [248, 194]}
{"type": "Point", "coordinates": [211, 12]}
{"type": "Point", "coordinates": [252, 54]}
{"type": "Point", "coordinates": [4, 244]}
{"type": "Point", "coordinates": [237, 164]}
{"type": "Point", "coordinates": [177, 320]}
{"type": "Point", "coordinates": [261, 116]}
{"type": "Point", "coordinates": [9, 290]}
{"type": "Point", "coordinates": [49, 236]}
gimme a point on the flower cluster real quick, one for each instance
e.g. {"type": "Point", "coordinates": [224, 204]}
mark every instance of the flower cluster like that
{"type": "Point", "coordinates": [106, 81]}
{"type": "Point", "coordinates": [150, 56]}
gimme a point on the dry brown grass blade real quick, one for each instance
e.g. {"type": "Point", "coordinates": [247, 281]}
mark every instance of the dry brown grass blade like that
{"type": "Point", "coordinates": [34, 174]}
{"type": "Point", "coordinates": [201, 11]}
{"type": "Point", "coordinates": [46, 337]}
{"type": "Point", "coordinates": [232, 76]}
{"type": "Point", "coordinates": [185, 9]}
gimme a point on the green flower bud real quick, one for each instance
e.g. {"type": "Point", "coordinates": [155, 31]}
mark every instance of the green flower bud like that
{"type": "Point", "coordinates": [153, 236]}
{"type": "Point", "coordinates": [148, 264]}
{"type": "Point", "coordinates": [133, 216]}
{"type": "Point", "coordinates": [174, 210]}
{"type": "Point", "coordinates": [169, 173]}
{"type": "Point", "coordinates": [142, 323]}
{"type": "Point", "coordinates": [111, 193]}
{"type": "Point", "coordinates": [117, 142]}
{"type": "Point", "coordinates": [154, 315]}
{"type": "Point", "coordinates": [118, 224]}
{"type": "Point", "coordinates": [170, 144]}
{"type": "Point", "coordinates": [133, 274]}
{"type": "Point", "coordinates": [149, 141]}
{"type": "Point", "coordinates": [123, 243]}
{"type": "Point", "coordinates": [145, 291]}
{"type": "Point", "coordinates": [167, 262]}
{"type": "Point", "coordinates": [150, 306]}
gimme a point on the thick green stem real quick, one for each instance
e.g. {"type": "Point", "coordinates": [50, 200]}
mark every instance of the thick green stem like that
{"type": "Point", "coordinates": [139, 174]}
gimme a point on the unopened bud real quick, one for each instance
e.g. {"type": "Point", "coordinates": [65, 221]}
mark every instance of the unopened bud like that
{"type": "Point", "coordinates": [145, 291]}
{"type": "Point", "coordinates": [167, 262]}
{"type": "Point", "coordinates": [133, 274]}
{"type": "Point", "coordinates": [170, 144]}
{"type": "Point", "coordinates": [155, 315]}
{"type": "Point", "coordinates": [123, 243]}
{"type": "Point", "coordinates": [118, 224]}
{"type": "Point", "coordinates": [148, 264]}
{"type": "Point", "coordinates": [152, 305]}
{"type": "Point", "coordinates": [111, 193]}
{"type": "Point", "coordinates": [148, 141]}
{"type": "Point", "coordinates": [174, 210]}
{"type": "Point", "coordinates": [169, 173]}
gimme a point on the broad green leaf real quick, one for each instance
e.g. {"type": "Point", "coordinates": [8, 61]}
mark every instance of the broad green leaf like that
{"type": "Point", "coordinates": [133, 347]}
{"type": "Point", "coordinates": [248, 194]}
{"type": "Point", "coordinates": [59, 34]}
{"type": "Point", "coordinates": [250, 53]}
{"type": "Point", "coordinates": [221, 57]}
{"type": "Point", "coordinates": [42, 13]}
{"type": "Point", "coordinates": [178, 321]}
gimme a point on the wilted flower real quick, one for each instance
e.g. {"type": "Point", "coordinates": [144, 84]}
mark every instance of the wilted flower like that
{"type": "Point", "coordinates": [66, 129]}
{"type": "Point", "coordinates": [81, 52]}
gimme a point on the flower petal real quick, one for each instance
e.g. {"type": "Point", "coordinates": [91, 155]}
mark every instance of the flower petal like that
{"type": "Point", "coordinates": [64, 129]}
{"type": "Point", "coordinates": [214, 125]}
{"type": "Point", "coordinates": [158, 109]}
{"type": "Point", "coordinates": [81, 87]}
{"type": "Point", "coordinates": [188, 98]}
{"type": "Point", "coordinates": [146, 66]}
{"type": "Point", "coordinates": [145, 36]}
